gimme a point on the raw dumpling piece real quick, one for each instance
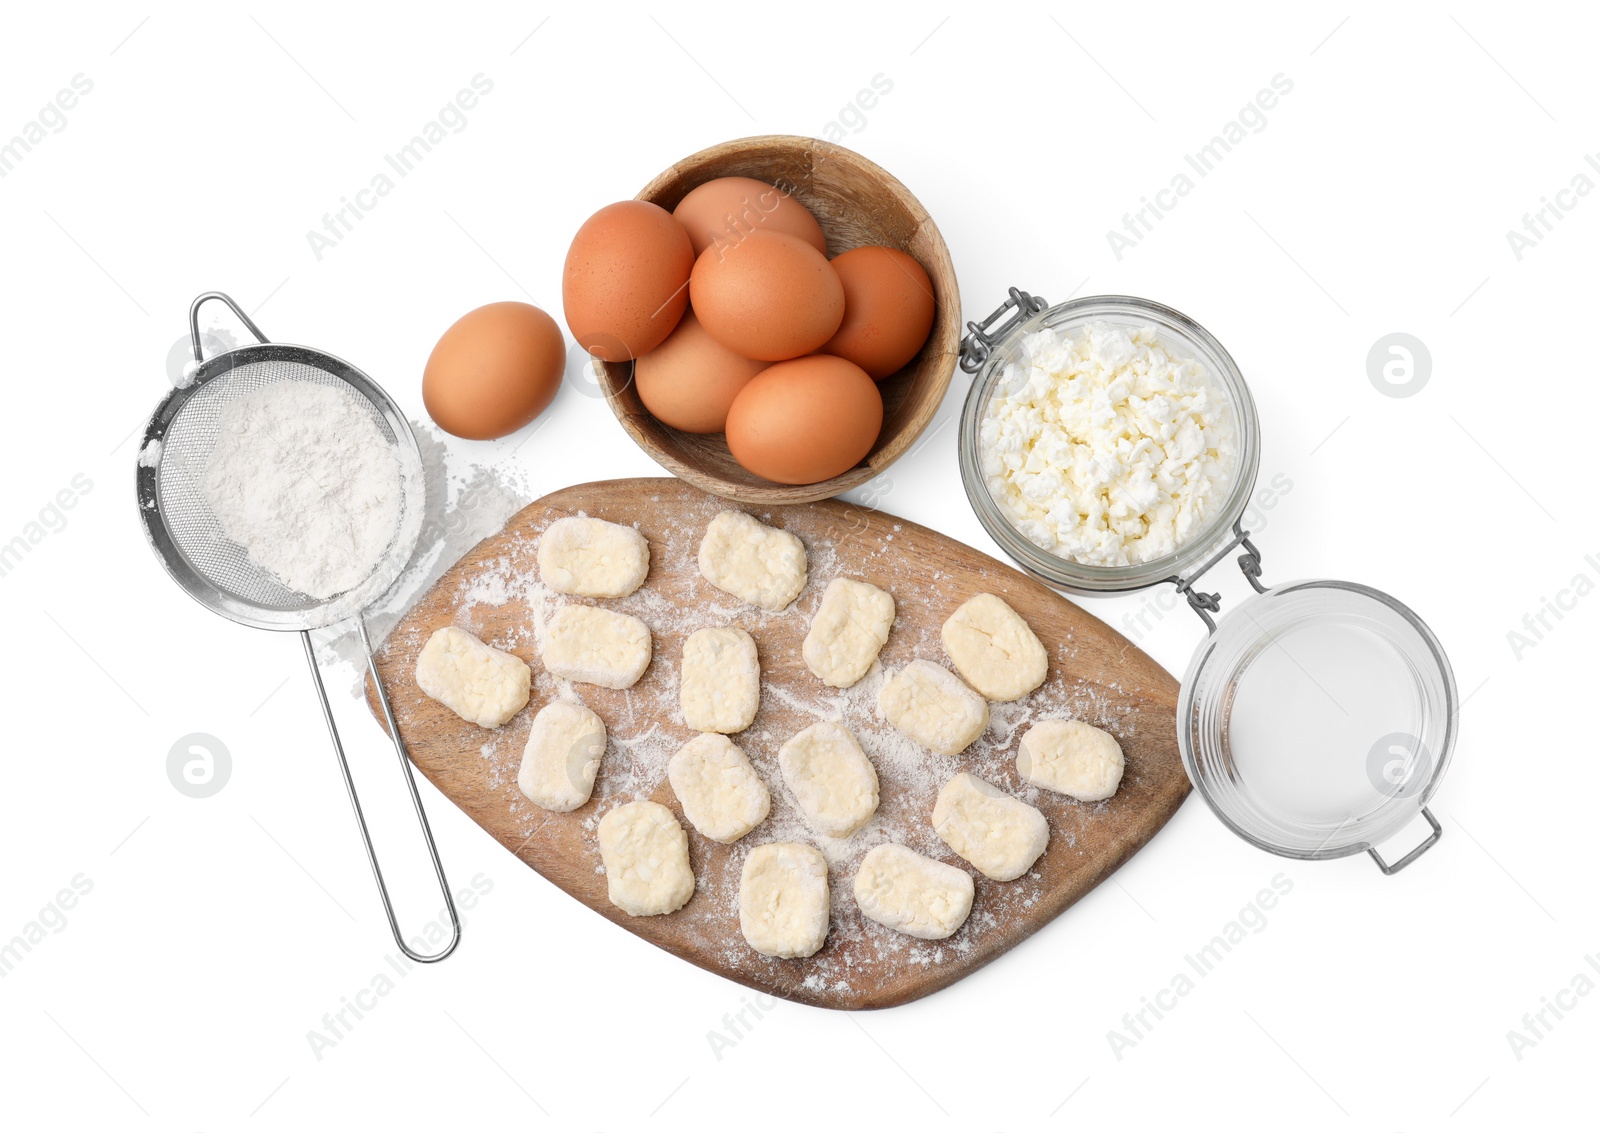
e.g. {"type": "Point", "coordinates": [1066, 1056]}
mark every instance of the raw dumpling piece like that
{"type": "Point", "coordinates": [721, 684]}
{"type": "Point", "coordinates": [480, 684]}
{"type": "Point", "coordinates": [562, 756]}
{"type": "Point", "coordinates": [930, 704]}
{"type": "Point", "coordinates": [902, 890]}
{"type": "Point", "coordinates": [721, 794]}
{"type": "Point", "coordinates": [1071, 757]}
{"type": "Point", "coordinates": [596, 646]}
{"type": "Point", "coordinates": [646, 855]}
{"type": "Point", "coordinates": [848, 630]}
{"type": "Point", "coordinates": [783, 899]}
{"type": "Point", "coordinates": [592, 558]}
{"type": "Point", "coordinates": [993, 648]}
{"type": "Point", "coordinates": [831, 778]}
{"type": "Point", "coordinates": [764, 566]}
{"type": "Point", "coordinates": [1000, 835]}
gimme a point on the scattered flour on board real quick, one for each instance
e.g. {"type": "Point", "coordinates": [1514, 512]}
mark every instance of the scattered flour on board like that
{"type": "Point", "coordinates": [645, 727]}
{"type": "Point", "coordinates": [465, 503]}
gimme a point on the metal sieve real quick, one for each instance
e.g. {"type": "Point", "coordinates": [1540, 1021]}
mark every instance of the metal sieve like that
{"type": "Point", "coordinates": [186, 537]}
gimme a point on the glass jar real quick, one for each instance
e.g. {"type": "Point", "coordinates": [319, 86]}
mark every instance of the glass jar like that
{"type": "Point", "coordinates": [1317, 720]}
{"type": "Point", "coordinates": [1185, 337]}
{"type": "Point", "coordinates": [1318, 717]}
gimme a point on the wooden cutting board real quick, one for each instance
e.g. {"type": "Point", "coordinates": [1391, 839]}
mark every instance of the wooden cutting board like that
{"type": "Point", "coordinates": [1095, 675]}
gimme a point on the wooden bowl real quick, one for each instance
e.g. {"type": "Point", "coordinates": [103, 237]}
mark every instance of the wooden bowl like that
{"type": "Point", "coordinates": [857, 203]}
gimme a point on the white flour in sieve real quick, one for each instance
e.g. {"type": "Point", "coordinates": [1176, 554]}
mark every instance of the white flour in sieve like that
{"type": "Point", "coordinates": [305, 482]}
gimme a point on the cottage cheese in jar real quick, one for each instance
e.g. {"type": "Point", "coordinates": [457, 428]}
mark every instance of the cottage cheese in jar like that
{"type": "Point", "coordinates": [1104, 447]}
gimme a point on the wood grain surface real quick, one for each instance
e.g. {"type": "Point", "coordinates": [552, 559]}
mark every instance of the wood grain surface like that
{"type": "Point", "coordinates": [856, 202]}
{"type": "Point", "coordinates": [1095, 675]}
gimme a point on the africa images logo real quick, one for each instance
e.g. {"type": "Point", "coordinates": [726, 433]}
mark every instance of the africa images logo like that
{"type": "Point", "coordinates": [451, 119]}
{"type": "Point", "coordinates": [1251, 920]}
{"type": "Point", "coordinates": [51, 119]}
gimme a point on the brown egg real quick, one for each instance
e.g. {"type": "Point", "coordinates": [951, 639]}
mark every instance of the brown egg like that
{"type": "Point", "coordinates": [728, 209]}
{"type": "Point", "coordinates": [888, 309]}
{"type": "Point", "coordinates": [805, 420]}
{"type": "Point", "coordinates": [625, 285]}
{"type": "Point", "coordinates": [689, 381]}
{"type": "Point", "coordinates": [494, 370]}
{"type": "Point", "coordinates": [770, 296]}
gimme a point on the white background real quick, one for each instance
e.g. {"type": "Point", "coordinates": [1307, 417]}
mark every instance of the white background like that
{"type": "Point", "coordinates": [179, 993]}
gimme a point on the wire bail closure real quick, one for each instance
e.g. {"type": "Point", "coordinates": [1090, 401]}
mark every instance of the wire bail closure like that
{"type": "Point", "coordinates": [1205, 604]}
{"type": "Point", "coordinates": [981, 336]}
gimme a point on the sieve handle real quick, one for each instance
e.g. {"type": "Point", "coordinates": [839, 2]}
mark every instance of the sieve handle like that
{"type": "Point", "coordinates": [194, 320]}
{"type": "Point", "coordinates": [411, 785]}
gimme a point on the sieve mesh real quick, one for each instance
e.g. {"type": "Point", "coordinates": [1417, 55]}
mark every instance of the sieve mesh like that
{"type": "Point", "coordinates": [186, 450]}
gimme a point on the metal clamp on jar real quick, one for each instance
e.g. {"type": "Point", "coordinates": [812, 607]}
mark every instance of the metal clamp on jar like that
{"type": "Point", "coordinates": [1317, 718]}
